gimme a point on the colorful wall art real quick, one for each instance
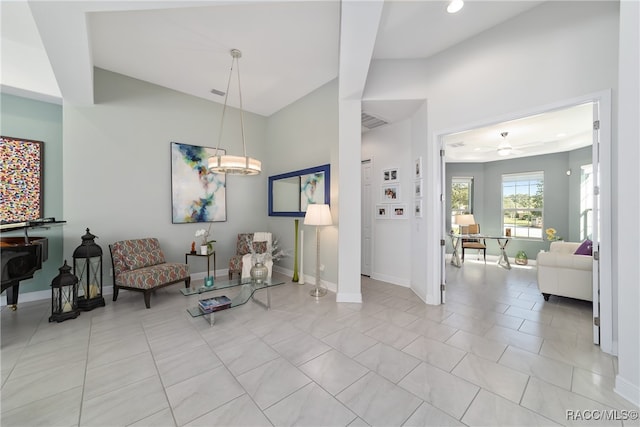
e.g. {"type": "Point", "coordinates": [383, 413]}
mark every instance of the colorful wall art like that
{"type": "Point", "coordinates": [21, 174]}
{"type": "Point", "coordinates": [311, 190]}
{"type": "Point", "coordinates": [197, 195]}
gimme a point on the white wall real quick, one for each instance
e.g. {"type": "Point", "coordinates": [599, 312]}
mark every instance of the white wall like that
{"type": "Point", "coordinates": [540, 57]}
{"type": "Point", "coordinates": [420, 273]}
{"type": "Point", "coordinates": [117, 168]}
{"type": "Point", "coordinates": [389, 147]}
{"type": "Point", "coordinates": [303, 135]}
{"type": "Point", "coordinates": [628, 178]}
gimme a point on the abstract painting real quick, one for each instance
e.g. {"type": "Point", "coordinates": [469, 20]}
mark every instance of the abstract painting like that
{"type": "Point", "coordinates": [311, 190]}
{"type": "Point", "coordinates": [197, 195]}
{"type": "Point", "coordinates": [21, 195]}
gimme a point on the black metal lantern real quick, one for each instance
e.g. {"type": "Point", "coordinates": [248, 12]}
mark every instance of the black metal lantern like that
{"type": "Point", "coordinates": [87, 265]}
{"type": "Point", "coordinates": [64, 295]}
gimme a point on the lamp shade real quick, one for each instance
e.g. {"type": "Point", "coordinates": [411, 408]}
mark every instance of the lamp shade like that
{"type": "Point", "coordinates": [465, 219]}
{"type": "Point", "coordinates": [318, 214]}
{"type": "Point", "coordinates": [237, 165]}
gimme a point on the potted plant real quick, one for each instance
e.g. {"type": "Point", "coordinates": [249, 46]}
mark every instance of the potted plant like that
{"type": "Point", "coordinates": [206, 247]}
{"type": "Point", "coordinates": [521, 258]}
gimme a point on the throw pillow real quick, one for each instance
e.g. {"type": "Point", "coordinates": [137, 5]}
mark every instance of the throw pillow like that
{"type": "Point", "coordinates": [259, 247]}
{"type": "Point", "coordinates": [586, 248]}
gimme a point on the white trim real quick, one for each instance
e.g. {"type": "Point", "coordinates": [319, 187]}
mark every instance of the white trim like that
{"type": "Point", "coordinates": [349, 297]}
{"type": "Point", "coordinates": [627, 390]}
{"type": "Point", "coordinates": [44, 295]}
{"type": "Point", "coordinates": [216, 273]}
{"type": "Point", "coordinates": [333, 287]}
{"type": "Point", "coordinates": [603, 98]}
{"type": "Point", "coordinates": [399, 281]}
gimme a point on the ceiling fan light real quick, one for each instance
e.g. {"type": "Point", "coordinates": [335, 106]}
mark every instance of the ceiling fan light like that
{"type": "Point", "coordinates": [504, 148]}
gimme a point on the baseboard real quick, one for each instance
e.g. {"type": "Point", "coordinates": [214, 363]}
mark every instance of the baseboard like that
{"type": "Point", "coordinates": [391, 279]}
{"type": "Point", "coordinates": [493, 259]}
{"type": "Point", "coordinates": [218, 273]}
{"type": "Point", "coordinates": [45, 295]}
{"type": "Point", "coordinates": [627, 390]}
{"type": "Point", "coordinates": [349, 297]}
{"type": "Point", "coordinates": [309, 280]}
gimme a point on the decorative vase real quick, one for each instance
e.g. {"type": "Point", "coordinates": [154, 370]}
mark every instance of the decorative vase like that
{"type": "Point", "coordinates": [295, 252]}
{"type": "Point", "coordinates": [521, 258]}
{"type": "Point", "coordinates": [208, 282]}
{"type": "Point", "coordinates": [259, 272]}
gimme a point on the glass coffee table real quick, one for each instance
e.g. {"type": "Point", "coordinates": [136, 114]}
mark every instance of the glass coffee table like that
{"type": "Point", "coordinates": [248, 288]}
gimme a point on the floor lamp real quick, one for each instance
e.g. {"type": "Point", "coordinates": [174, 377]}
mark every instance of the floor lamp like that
{"type": "Point", "coordinates": [318, 215]}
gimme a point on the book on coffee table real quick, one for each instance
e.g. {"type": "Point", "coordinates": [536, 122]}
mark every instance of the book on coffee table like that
{"type": "Point", "coordinates": [210, 305]}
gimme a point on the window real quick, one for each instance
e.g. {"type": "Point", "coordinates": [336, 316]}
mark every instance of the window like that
{"type": "Point", "coordinates": [461, 196]}
{"type": "Point", "coordinates": [522, 196]}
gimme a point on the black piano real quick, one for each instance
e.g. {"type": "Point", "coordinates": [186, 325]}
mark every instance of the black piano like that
{"type": "Point", "coordinates": [22, 256]}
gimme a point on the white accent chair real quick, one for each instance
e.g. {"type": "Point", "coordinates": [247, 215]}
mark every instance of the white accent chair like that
{"type": "Point", "coordinates": [247, 262]}
{"type": "Point", "coordinates": [562, 273]}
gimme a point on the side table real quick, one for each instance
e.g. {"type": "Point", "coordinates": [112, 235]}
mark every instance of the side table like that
{"type": "Point", "coordinates": [208, 256]}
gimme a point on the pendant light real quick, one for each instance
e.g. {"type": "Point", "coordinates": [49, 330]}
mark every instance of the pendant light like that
{"type": "Point", "coordinates": [235, 165]}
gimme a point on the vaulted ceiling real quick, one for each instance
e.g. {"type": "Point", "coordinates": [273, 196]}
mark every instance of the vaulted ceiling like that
{"type": "Point", "coordinates": [290, 48]}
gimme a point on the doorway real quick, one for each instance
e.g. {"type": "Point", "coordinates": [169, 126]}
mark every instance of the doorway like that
{"type": "Point", "coordinates": [598, 132]}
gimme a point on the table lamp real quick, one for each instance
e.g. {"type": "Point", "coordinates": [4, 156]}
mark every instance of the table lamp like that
{"type": "Point", "coordinates": [464, 220]}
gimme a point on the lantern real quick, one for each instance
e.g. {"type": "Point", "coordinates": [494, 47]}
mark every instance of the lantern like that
{"type": "Point", "coordinates": [87, 265]}
{"type": "Point", "coordinates": [64, 295]}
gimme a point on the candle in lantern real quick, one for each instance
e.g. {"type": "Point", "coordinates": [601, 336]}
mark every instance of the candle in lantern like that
{"type": "Point", "coordinates": [93, 291]}
{"type": "Point", "coordinates": [66, 307]}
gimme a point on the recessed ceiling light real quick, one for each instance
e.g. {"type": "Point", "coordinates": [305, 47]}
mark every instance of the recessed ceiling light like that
{"type": "Point", "coordinates": [455, 6]}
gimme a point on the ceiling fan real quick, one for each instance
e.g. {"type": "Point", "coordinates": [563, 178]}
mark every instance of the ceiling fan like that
{"type": "Point", "coordinates": [504, 148]}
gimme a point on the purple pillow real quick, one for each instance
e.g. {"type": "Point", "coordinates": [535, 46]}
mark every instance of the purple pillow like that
{"type": "Point", "coordinates": [586, 248]}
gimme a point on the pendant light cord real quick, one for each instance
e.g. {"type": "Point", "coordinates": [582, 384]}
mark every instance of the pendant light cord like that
{"type": "Point", "coordinates": [234, 54]}
{"type": "Point", "coordinates": [244, 146]}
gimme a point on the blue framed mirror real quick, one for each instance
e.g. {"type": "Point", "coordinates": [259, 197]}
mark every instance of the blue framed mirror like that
{"type": "Point", "coordinates": [290, 193]}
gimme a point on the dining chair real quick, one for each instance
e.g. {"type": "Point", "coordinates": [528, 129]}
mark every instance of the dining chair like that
{"type": "Point", "coordinates": [472, 243]}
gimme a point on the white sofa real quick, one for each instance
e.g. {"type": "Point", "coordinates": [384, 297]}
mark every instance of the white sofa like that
{"type": "Point", "coordinates": [562, 273]}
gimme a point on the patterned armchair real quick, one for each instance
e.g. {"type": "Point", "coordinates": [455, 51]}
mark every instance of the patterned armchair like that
{"type": "Point", "coordinates": [244, 243]}
{"type": "Point", "coordinates": [139, 265]}
{"type": "Point", "coordinates": [243, 247]}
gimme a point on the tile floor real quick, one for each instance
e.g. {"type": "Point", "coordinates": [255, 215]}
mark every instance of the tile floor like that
{"type": "Point", "coordinates": [495, 354]}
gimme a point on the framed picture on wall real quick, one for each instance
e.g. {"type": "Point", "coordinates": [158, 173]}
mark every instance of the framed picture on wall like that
{"type": "Point", "coordinates": [399, 211]}
{"type": "Point", "coordinates": [390, 193]}
{"type": "Point", "coordinates": [390, 175]}
{"type": "Point", "coordinates": [417, 188]}
{"type": "Point", "coordinates": [417, 167]}
{"type": "Point", "coordinates": [22, 176]}
{"type": "Point", "coordinates": [382, 212]}
{"type": "Point", "coordinates": [417, 208]}
{"type": "Point", "coordinates": [197, 195]}
{"type": "Point", "coordinates": [311, 189]}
